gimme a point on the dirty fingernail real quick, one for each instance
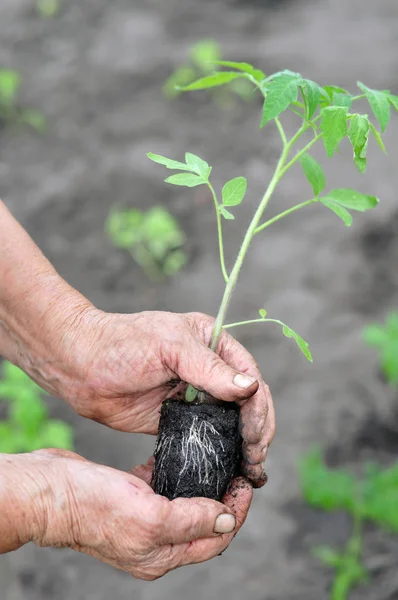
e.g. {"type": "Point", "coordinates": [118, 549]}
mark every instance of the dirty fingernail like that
{"type": "Point", "coordinates": [225, 524]}
{"type": "Point", "coordinates": [243, 381]}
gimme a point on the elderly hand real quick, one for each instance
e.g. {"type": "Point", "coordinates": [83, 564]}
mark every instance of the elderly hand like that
{"type": "Point", "coordinates": [56, 498]}
{"type": "Point", "coordinates": [121, 367]}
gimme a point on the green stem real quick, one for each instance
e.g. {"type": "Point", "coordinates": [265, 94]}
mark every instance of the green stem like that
{"type": "Point", "coordinates": [281, 131]}
{"type": "Point", "coordinates": [300, 154]}
{"type": "Point", "coordinates": [280, 170]}
{"type": "Point", "coordinates": [250, 322]}
{"type": "Point", "coordinates": [220, 235]}
{"type": "Point", "coordinates": [284, 214]}
{"type": "Point", "coordinates": [245, 246]}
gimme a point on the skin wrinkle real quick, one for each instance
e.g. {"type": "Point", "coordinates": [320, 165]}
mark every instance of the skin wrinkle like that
{"type": "Point", "coordinates": [118, 369]}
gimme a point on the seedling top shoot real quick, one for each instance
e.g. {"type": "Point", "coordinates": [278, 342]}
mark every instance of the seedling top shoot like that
{"type": "Point", "coordinates": [329, 115]}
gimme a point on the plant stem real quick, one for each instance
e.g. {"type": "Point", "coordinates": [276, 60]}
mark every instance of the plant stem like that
{"type": "Point", "coordinates": [250, 322]}
{"type": "Point", "coordinates": [281, 131]}
{"type": "Point", "coordinates": [300, 154]}
{"type": "Point", "coordinates": [220, 236]}
{"type": "Point", "coordinates": [245, 246]}
{"type": "Point", "coordinates": [284, 214]}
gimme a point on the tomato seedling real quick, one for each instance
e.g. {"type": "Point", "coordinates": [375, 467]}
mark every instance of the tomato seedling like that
{"type": "Point", "coordinates": [27, 426]}
{"type": "Point", "coordinates": [10, 112]}
{"type": "Point", "coordinates": [153, 238]}
{"type": "Point", "coordinates": [385, 339]}
{"type": "Point", "coordinates": [202, 59]}
{"type": "Point", "coordinates": [327, 114]}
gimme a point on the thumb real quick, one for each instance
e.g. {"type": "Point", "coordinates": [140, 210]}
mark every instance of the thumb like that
{"type": "Point", "coordinates": [205, 370]}
{"type": "Point", "coordinates": [190, 519]}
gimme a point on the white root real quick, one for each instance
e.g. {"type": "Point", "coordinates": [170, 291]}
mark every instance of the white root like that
{"type": "Point", "coordinates": [196, 446]}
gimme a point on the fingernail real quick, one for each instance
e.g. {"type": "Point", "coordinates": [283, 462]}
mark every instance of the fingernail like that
{"type": "Point", "coordinates": [225, 524]}
{"type": "Point", "coordinates": [243, 381]}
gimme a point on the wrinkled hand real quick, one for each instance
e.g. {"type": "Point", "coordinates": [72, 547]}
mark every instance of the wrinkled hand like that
{"type": "Point", "coordinates": [126, 365]}
{"type": "Point", "coordinates": [117, 518]}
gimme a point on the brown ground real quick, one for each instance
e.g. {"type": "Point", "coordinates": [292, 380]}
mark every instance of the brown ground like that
{"type": "Point", "coordinates": [96, 71]}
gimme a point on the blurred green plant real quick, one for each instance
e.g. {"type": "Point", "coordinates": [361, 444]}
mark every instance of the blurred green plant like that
{"type": "Point", "coordinates": [374, 495]}
{"type": "Point", "coordinates": [385, 339]}
{"type": "Point", "coordinates": [153, 238]}
{"type": "Point", "coordinates": [349, 569]}
{"type": "Point", "coordinates": [10, 112]}
{"type": "Point", "coordinates": [48, 8]}
{"type": "Point", "coordinates": [27, 426]}
{"type": "Point", "coordinates": [202, 61]}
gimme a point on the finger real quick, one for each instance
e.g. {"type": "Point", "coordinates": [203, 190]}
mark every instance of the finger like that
{"type": "Point", "coordinates": [144, 472]}
{"type": "Point", "coordinates": [59, 453]}
{"type": "Point", "coordinates": [257, 413]}
{"type": "Point", "coordinates": [189, 519]}
{"type": "Point", "coordinates": [206, 370]}
{"type": "Point", "coordinates": [238, 499]}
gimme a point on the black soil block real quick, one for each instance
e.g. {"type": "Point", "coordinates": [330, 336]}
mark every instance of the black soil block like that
{"type": "Point", "coordinates": [198, 450]}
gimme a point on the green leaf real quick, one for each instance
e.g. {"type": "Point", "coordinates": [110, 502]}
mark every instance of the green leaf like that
{"type": "Point", "coordinates": [359, 136]}
{"type": "Point", "coordinates": [280, 93]}
{"type": "Point", "coordinates": [333, 127]}
{"type": "Point", "coordinates": [262, 312]}
{"type": "Point", "coordinates": [393, 100]}
{"type": "Point", "coordinates": [329, 489]}
{"type": "Point", "coordinates": [338, 210]}
{"type": "Point", "coordinates": [375, 335]}
{"type": "Point", "coordinates": [198, 165]}
{"type": "Point", "coordinates": [379, 103]}
{"type": "Point", "coordinates": [378, 137]}
{"type": "Point", "coordinates": [352, 199]}
{"type": "Point", "coordinates": [234, 191]}
{"type": "Point", "coordinates": [302, 344]}
{"type": "Point", "coordinates": [10, 82]}
{"type": "Point", "coordinates": [48, 8]}
{"type": "Point", "coordinates": [328, 556]}
{"type": "Point", "coordinates": [35, 119]}
{"type": "Point", "coordinates": [56, 434]}
{"type": "Point", "coordinates": [225, 213]}
{"type": "Point", "coordinates": [314, 173]}
{"type": "Point", "coordinates": [186, 179]}
{"type": "Point", "coordinates": [168, 162]}
{"type": "Point", "coordinates": [340, 99]}
{"type": "Point", "coordinates": [211, 81]}
{"type": "Point", "coordinates": [124, 227]}
{"type": "Point", "coordinates": [204, 53]}
{"type": "Point", "coordinates": [242, 66]}
{"type": "Point", "coordinates": [311, 92]}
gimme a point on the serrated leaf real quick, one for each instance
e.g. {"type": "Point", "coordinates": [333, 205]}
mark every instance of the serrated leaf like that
{"type": "Point", "coordinates": [168, 162]}
{"type": "Point", "coordinates": [198, 165]}
{"type": "Point", "coordinates": [333, 127]}
{"type": "Point", "coordinates": [359, 136]}
{"type": "Point", "coordinates": [280, 93]}
{"type": "Point", "coordinates": [242, 66]}
{"type": "Point", "coordinates": [379, 103]}
{"type": "Point", "coordinates": [301, 343]}
{"type": "Point", "coordinates": [311, 92]}
{"type": "Point", "coordinates": [338, 210]}
{"type": "Point", "coordinates": [393, 100]}
{"type": "Point", "coordinates": [234, 191]}
{"type": "Point", "coordinates": [314, 173]}
{"type": "Point", "coordinates": [352, 199]}
{"type": "Point", "coordinates": [262, 312]}
{"type": "Point", "coordinates": [340, 99]}
{"type": "Point", "coordinates": [377, 137]}
{"type": "Point", "coordinates": [211, 81]}
{"type": "Point", "coordinates": [225, 213]}
{"type": "Point", "coordinates": [186, 179]}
